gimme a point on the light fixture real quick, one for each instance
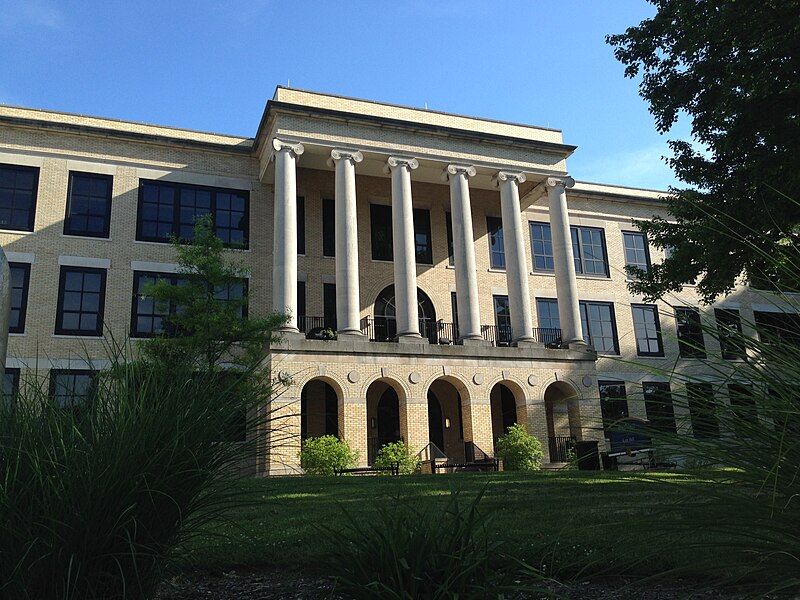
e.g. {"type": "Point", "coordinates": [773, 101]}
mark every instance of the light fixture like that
{"type": "Point", "coordinates": [373, 423]}
{"type": "Point", "coordinates": [446, 423]}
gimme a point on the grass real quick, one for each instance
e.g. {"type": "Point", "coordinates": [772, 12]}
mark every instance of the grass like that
{"type": "Point", "coordinates": [558, 521]}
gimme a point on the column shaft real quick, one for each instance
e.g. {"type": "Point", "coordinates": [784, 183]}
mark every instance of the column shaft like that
{"type": "Point", "coordinates": [284, 250]}
{"type": "Point", "coordinates": [566, 284]}
{"type": "Point", "coordinates": [469, 320]}
{"type": "Point", "coordinates": [405, 262]}
{"type": "Point", "coordinates": [516, 263]}
{"type": "Point", "coordinates": [348, 304]}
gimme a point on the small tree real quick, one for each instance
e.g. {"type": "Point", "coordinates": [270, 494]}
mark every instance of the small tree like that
{"type": "Point", "coordinates": [323, 455]}
{"type": "Point", "coordinates": [209, 322]}
{"type": "Point", "coordinates": [400, 454]}
{"type": "Point", "coordinates": [519, 450]}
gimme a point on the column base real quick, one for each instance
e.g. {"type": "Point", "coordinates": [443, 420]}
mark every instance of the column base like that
{"type": "Point", "coordinates": [525, 343]}
{"type": "Point", "coordinates": [579, 345]}
{"type": "Point", "coordinates": [411, 338]}
{"type": "Point", "coordinates": [291, 333]}
{"type": "Point", "coordinates": [473, 342]}
{"type": "Point", "coordinates": [350, 335]}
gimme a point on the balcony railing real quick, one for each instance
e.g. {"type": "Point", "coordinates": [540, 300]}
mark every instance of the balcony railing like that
{"type": "Point", "coordinates": [497, 335]}
{"type": "Point", "coordinates": [560, 446]}
{"type": "Point", "coordinates": [313, 325]}
{"type": "Point", "coordinates": [549, 336]}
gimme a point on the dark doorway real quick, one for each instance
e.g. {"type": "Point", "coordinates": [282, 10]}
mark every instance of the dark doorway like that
{"type": "Point", "coordinates": [504, 410]}
{"type": "Point", "coordinates": [388, 418]}
{"type": "Point", "coordinates": [319, 410]}
{"type": "Point", "coordinates": [385, 315]}
{"type": "Point", "coordinates": [435, 422]}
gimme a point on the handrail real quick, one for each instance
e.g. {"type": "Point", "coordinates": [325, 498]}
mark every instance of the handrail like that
{"type": "Point", "coordinates": [431, 452]}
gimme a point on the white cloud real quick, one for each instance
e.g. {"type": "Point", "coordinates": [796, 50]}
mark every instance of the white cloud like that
{"type": "Point", "coordinates": [40, 14]}
{"type": "Point", "coordinates": [641, 167]}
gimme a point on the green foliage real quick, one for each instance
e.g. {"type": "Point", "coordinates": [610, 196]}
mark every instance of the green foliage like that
{"type": "Point", "coordinates": [731, 68]}
{"type": "Point", "coordinates": [211, 325]}
{"type": "Point", "coordinates": [95, 501]}
{"type": "Point", "coordinates": [407, 553]}
{"type": "Point", "coordinates": [322, 455]}
{"type": "Point", "coordinates": [397, 453]}
{"type": "Point", "coordinates": [519, 450]}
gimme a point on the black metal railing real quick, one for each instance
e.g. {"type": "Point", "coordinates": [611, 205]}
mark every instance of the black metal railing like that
{"type": "Point", "coordinates": [314, 327]}
{"type": "Point", "coordinates": [382, 329]}
{"type": "Point", "coordinates": [497, 335]}
{"type": "Point", "coordinates": [560, 446]}
{"type": "Point", "coordinates": [549, 336]}
{"type": "Point", "coordinates": [368, 328]}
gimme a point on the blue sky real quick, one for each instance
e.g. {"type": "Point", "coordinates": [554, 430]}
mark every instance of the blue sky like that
{"type": "Point", "coordinates": [212, 65]}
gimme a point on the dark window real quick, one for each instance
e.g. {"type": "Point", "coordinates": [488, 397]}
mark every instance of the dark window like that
{"type": "Point", "coordinates": [690, 333]}
{"type": "Point", "coordinates": [422, 236]}
{"type": "Point", "coordinates": [502, 318]}
{"type": "Point", "coordinates": [454, 310]}
{"type": "Point", "coordinates": [497, 251]}
{"type": "Point", "coordinates": [20, 281]}
{"type": "Point", "coordinates": [637, 253]}
{"type": "Point", "coordinates": [743, 407]}
{"type": "Point", "coordinates": [729, 327]}
{"type": "Point", "coordinates": [702, 410]}
{"type": "Point", "coordinates": [301, 225]}
{"type": "Point", "coordinates": [547, 313]}
{"type": "Point", "coordinates": [10, 384]}
{"type": "Point", "coordinates": [599, 326]}
{"type": "Point", "coordinates": [71, 388]}
{"type": "Point", "coordinates": [148, 314]}
{"type": "Point", "coordinates": [613, 402]}
{"type": "Point", "coordinates": [234, 292]}
{"type": "Point", "coordinates": [589, 250]}
{"type": "Point", "coordinates": [777, 326]}
{"type": "Point", "coordinates": [88, 205]}
{"type": "Point", "coordinates": [380, 217]}
{"type": "Point", "coordinates": [81, 297]}
{"type": "Point", "coordinates": [647, 330]}
{"type": "Point", "coordinates": [448, 221]}
{"type": "Point", "coordinates": [658, 404]}
{"type": "Point", "coordinates": [329, 304]}
{"type": "Point", "coordinates": [542, 247]}
{"type": "Point", "coordinates": [301, 300]}
{"type": "Point", "coordinates": [18, 189]}
{"type": "Point", "coordinates": [167, 209]}
{"type": "Point", "coordinates": [328, 227]}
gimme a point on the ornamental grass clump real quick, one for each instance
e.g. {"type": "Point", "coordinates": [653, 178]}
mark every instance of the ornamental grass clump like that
{"type": "Point", "coordinates": [519, 450]}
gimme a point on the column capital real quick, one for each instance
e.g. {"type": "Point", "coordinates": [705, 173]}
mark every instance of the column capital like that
{"type": "Point", "coordinates": [450, 170]}
{"type": "Point", "coordinates": [337, 154]}
{"type": "Point", "coordinates": [565, 182]}
{"type": "Point", "coordinates": [503, 176]}
{"type": "Point", "coordinates": [394, 162]}
{"type": "Point", "coordinates": [295, 148]}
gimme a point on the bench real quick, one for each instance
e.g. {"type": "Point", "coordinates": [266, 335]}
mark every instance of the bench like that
{"type": "Point", "coordinates": [477, 466]}
{"type": "Point", "coordinates": [394, 469]}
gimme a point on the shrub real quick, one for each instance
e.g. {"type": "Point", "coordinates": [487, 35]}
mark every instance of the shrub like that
{"type": "Point", "coordinates": [519, 450]}
{"type": "Point", "coordinates": [321, 455]}
{"type": "Point", "coordinates": [397, 453]}
{"type": "Point", "coordinates": [95, 499]}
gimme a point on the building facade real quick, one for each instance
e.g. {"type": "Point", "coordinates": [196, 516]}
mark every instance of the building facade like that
{"type": "Point", "coordinates": [468, 280]}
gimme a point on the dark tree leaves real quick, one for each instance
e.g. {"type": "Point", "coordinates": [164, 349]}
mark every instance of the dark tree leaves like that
{"type": "Point", "coordinates": [732, 67]}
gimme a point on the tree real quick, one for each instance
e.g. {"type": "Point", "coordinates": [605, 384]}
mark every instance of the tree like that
{"type": "Point", "coordinates": [209, 321]}
{"type": "Point", "coordinates": [734, 69]}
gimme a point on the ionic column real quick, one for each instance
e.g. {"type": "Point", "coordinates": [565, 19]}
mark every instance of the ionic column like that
{"type": "Point", "coordinates": [566, 284]}
{"type": "Point", "coordinates": [405, 260]}
{"type": "Point", "coordinates": [284, 250]}
{"type": "Point", "coordinates": [348, 304]}
{"type": "Point", "coordinates": [469, 319]}
{"type": "Point", "coordinates": [516, 263]}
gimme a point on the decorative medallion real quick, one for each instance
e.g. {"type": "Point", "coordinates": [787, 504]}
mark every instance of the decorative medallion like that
{"type": "Point", "coordinates": [414, 377]}
{"type": "Point", "coordinates": [353, 376]}
{"type": "Point", "coordinates": [477, 379]}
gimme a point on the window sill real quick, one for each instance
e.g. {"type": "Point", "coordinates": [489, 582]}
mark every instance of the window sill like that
{"type": "Point", "coordinates": [495, 270]}
{"type": "Point", "coordinates": [382, 261]}
{"type": "Point", "coordinates": [651, 356]}
{"type": "Point", "coordinates": [543, 273]}
{"type": "Point", "coordinates": [86, 237]}
{"type": "Point", "coordinates": [593, 277]}
{"type": "Point", "coordinates": [66, 336]}
{"type": "Point", "coordinates": [162, 244]}
{"type": "Point", "coordinates": [450, 267]}
{"type": "Point", "coordinates": [17, 231]}
{"type": "Point", "coordinates": [23, 334]}
{"type": "Point", "coordinates": [329, 257]}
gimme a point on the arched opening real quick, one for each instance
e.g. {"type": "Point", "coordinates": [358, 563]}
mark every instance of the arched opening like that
{"type": "Point", "coordinates": [386, 314]}
{"type": "Point", "coordinates": [383, 418]}
{"type": "Point", "coordinates": [563, 419]}
{"type": "Point", "coordinates": [319, 410]}
{"type": "Point", "coordinates": [504, 410]}
{"type": "Point", "coordinates": [445, 422]}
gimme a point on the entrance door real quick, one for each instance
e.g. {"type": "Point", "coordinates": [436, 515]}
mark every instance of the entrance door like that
{"type": "Point", "coordinates": [435, 422]}
{"type": "Point", "coordinates": [388, 418]}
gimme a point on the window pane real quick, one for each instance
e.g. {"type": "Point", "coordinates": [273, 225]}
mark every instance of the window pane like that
{"type": "Point", "coordinates": [729, 327]}
{"type": "Point", "coordinates": [328, 227]}
{"type": "Point", "coordinates": [647, 330]}
{"type": "Point", "coordinates": [636, 252]}
{"type": "Point", "coordinates": [20, 275]}
{"type": "Point", "coordinates": [599, 329]}
{"type": "Point", "coordinates": [422, 236]}
{"type": "Point", "coordinates": [381, 226]}
{"type": "Point", "coordinates": [690, 333]}
{"type": "Point", "coordinates": [658, 404]}
{"type": "Point", "coordinates": [613, 402]}
{"type": "Point", "coordinates": [80, 306]}
{"type": "Point", "coordinates": [542, 247]}
{"type": "Point", "coordinates": [702, 410]}
{"type": "Point", "coordinates": [497, 253]}
{"type": "Point", "coordinates": [301, 224]}
{"type": "Point", "coordinates": [18, 197]}
{"type": "Point", "coordinates": [88, 205]}
{"type": "Point", "coordinates": [448, 220]}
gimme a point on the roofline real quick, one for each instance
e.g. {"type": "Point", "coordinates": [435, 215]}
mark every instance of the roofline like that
{"type": "Point", "coordinates": [272, 104]}
{"type": "Point", "coordinates": [409, 107]}
{"type": "Point", "coordinates": [613, 187]}
{"type": "Point", "coordinates": [245, 146]}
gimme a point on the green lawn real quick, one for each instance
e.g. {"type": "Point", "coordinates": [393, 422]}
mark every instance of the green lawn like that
{"type": "Point", "coordinates": [542, 518]}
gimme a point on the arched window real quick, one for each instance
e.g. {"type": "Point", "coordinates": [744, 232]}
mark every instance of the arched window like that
{"type": "Point", "coordinates": [385, 314]}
